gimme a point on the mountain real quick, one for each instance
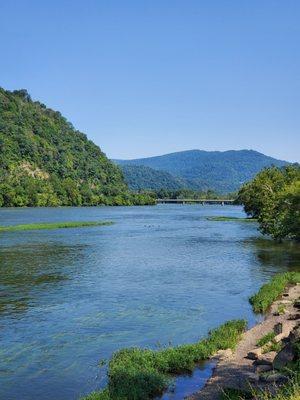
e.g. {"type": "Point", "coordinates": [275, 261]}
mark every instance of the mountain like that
{"type": "Point", "coordinates": [202, 170]}
{"type": "Point", "coordinates": [139, 177]}
{"type": "Point", "coordinates": [44, 161]}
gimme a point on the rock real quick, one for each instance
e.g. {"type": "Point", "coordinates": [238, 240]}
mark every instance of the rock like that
{"type": "Point", "coordinates": [295, 334]}
{"type": "Point", "coordinates": [263, 368]}
{"type": "Point", "coordinates": [223, 354]}
{"type": "Point", "coordinates": [254, 354]}
{"type": "Point", "coordinates": [286, 302]}
{"type": "Point", "coordinates": [266, 359]}
{"type": "Point", "coordinates": [285, 356]}
{"type": "Point", "coordinates": [279, 337]}
{"type": "Point", "coordinates": [278, 328]}
{"type": "Point", "coordinates": [251, 377]}
{"type": "Point", "coordinates": [294, 317]}
{"type": "Point", "coordinates": [278, 378]}
{"type": "Point", "coordinates": [285, 295]}
{"type": "Point", "coordinates": [297, 304]}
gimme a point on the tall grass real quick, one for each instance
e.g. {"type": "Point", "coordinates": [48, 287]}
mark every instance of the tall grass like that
{"type": "Point", "coordinates": [269, 292]}
{"type": "Point", "coordinates": [143, 374]}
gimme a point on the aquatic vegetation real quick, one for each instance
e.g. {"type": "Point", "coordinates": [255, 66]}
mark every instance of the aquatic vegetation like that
{"type": "Point", "coordinates": [53, 225]}
{"type": "Point", "coordinates": [232, 219]}
{"type": "Point", "coordinates": [269, 292]}
{"type": "Point", "coordinates": [266, 339]}
{"type": "Point", "coordinates": [141, 374]}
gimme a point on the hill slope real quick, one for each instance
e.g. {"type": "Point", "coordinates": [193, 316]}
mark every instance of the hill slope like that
{"type": "Point", "coordinates": [44, 161]}
{"type": "Point", "coordinates": [139, 177]}
{"type": "Point", "coordinates": [201, 170]}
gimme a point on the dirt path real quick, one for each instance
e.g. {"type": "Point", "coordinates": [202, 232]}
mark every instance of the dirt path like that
{"type": "Point", "coordinates": [234, 370]}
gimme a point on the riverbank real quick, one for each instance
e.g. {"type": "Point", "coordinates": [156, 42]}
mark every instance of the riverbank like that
{"type": "Point", "coordinates": [255, 362]}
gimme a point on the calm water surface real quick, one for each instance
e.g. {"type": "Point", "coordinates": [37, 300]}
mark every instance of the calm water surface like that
{"type": "Point", "coordinates": [159, 275]}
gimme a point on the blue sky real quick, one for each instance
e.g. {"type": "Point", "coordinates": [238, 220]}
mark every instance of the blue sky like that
{"type": "Point", "coordinates": [142, 78]}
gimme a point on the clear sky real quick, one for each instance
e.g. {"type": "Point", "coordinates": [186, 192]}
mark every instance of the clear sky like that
{"type": "Point", "coordinates": [144, 78]}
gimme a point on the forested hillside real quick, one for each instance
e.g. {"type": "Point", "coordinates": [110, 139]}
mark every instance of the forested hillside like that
{"type": "Point", "coordinates": [44, 161]}
{"type": "Point", "coordinates": [202, 170]}
{"type": "Point", "coordinates": [139, 177]}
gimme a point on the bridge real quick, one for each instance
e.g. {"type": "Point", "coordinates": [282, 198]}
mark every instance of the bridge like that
{"type": "Point", "coordinates": [196, 201]}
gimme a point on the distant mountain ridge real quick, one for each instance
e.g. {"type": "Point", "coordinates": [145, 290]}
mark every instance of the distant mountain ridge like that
{"type": "Point", "coordinates": [201, 170]}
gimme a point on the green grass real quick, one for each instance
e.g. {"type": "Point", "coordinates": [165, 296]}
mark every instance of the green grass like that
{"type": "Point", "coordinates": [269, 292]}
{"type": "Point", "coordinates": [53, 225]}
{"type": "Point", "coordinates": [223, 218]}
{"type": "Point", "coordinates": [235, 394]}
{"type": "Point", "coordinates": [272, 346]}
{"type": "Point", "coordinates": [266, 339]}
{"type": "Point", "coordinates": [143, 374]}
{"type": "Point", "coordinates": [290, 391]}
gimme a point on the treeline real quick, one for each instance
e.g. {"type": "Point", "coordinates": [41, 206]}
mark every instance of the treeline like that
{"type": "Point", "coordinates": [190, 194]}
{"type": "Point", "coordinates": [273, 197]}
{"type": "Point", "coordinates": [26, 191]}
{"type": "Point", "coordinates": [44, 161]}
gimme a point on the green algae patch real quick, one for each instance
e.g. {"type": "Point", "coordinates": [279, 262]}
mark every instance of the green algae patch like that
{"type": "Point", "coordinates": [143, 374]}
{"type": "Point", "coordinates": [53, 225]}
{"type": "Point", "coordinates": [269, 292]}
{"type": "Point", "coordinates": [231, 219]}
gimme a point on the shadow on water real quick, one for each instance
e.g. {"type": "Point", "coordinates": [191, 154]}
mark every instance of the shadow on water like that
{"type": "Point", "coordinates": [285, 255]}
{"type": "Point", "coordinates": [186, 385]}
{"type": "Point", "coordinates": [27, 270]}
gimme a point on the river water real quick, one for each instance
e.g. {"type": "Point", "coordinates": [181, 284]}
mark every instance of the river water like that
{"type": "Point", "coordinates": [69, 298]}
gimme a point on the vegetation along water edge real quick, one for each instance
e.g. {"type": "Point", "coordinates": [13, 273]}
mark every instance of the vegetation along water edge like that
{"type": "Point", "coordinates": [138, 374]}
{"type": "Point", "coordinates": [142, 374]}
{"type": "Point", "coordinates": [53, 225]}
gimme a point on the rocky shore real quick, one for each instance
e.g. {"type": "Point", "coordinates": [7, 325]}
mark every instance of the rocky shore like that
{"type": "Point", "coordinates": [263, 352]}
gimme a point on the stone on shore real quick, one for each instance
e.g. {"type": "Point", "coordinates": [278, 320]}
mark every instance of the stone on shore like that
{"type": "Point", "coordinates": [254, 354]}
{"type": "Point", "coordinates": [285, 356]}
{"type": "Point", "coordinates": [266, 359]}
{"type": "Point", "coordinates": [263, 368]}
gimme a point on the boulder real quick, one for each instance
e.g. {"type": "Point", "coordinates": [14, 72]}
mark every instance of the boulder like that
{"type": "Point", "coordinates": [276, 378]}
{"type": "Point", "coordinates": [285, 356]}
{"type": "Point", "coordinates": [251, 377]}
{"type": "Point", "coordinates": [263, 368]}
{"type": "Point", "coordinates": [254, 354]}
{"type": "Point", "coordinates": [278, 328]}
{"type": "Point", "coordinates": [297, 304]}
{"type": "Point", "coordinates": [266, 359]}
{"type": "Point", "coordinates": [279, 337]}
{"type": "Point", "coordinates": [294, 317]}
{"type": "Point", "coordinates": [295, 334]}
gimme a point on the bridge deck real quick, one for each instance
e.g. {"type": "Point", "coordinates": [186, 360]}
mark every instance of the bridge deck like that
{"type": "Point", "coordinates": [198, 201]}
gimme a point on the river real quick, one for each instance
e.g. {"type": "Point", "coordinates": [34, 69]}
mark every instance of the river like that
{"type": "Point", "coordinates": [164, 274]}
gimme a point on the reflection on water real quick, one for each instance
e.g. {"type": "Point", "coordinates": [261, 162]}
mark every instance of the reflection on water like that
{"type": "Point", "coordinates": [285, 255]}
{"type": "Point", "coordinates": [71, 297]}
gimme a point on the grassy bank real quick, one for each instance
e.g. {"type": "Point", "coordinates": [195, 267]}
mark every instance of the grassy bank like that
{"type": "Point", "coordinates": [142, 374]}
{"type": "Point", "coordinates": [269, 292]}
{"type": "Point", "coordinates": [235, 219]}
{"type": "Point", "coordinates": [53, 225]}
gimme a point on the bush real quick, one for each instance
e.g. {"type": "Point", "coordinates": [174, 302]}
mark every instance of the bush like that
{"type": "Point", "coordinates": [269, 292]}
